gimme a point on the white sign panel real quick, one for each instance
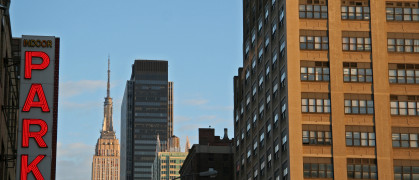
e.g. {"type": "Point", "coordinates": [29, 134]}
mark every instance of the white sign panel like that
{"type": "Point", "coordinates": [38, 102]}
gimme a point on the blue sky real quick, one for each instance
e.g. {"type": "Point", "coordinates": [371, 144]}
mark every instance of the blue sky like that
{"type": "Point", "coordinates": [201, 39]}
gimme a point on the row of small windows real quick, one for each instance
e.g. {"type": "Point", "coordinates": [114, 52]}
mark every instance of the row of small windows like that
{"type": "Point", "coordinates": [403, 45]}
{"type": "Point", "coordinates": [402, 14]}
{"type": "Point", "coordinates": [318, 170]}
{"type": "Point", "coordinates": [362, 168]}
{"type": "Point", "coordinates": [359, 72]}
{"type": "Point", "coordinates": [406, 172]}
{"type": "Point", "coordinates": [355, 12]}
{"type": "Point", "coordinates": [312, 105]}
{"type": "Point", "coordinates": [314, 42]}
{"type": "Point", "coordinates": [356, 44]}
{"type": "Point", "coordinates": [360, 139]}
{"type": "Point", "coordinates": [360, 11]}
{"type": "Point", "coordinates": [359, 106]}
{"type": "Point", "coordinates": [404, 105]}
{"type": "Point", "coordinates": [313, 11]}
{"type": "Point", "coordinates": [405, 140]}
{"type": "Point", "coordinates": [353, 73]}
{"type": "Point", "coordinates": [403, 73]}
{"type": "Point", "coordinates": [315, 71]}
{"type": "Point", "coordinates": [317, 137]}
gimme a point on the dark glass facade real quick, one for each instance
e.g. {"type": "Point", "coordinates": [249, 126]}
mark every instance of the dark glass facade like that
{"type": "Point", "coordinates": [144, 116]}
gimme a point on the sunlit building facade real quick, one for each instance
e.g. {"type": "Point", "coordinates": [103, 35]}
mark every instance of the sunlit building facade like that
{"type": "Point", "coordinates": [167, 165]}
{"type": "Point", "coordinates": [328, 90]}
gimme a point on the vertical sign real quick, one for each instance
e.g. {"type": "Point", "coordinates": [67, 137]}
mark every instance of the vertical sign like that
{"type": "Point", "coordinates": [38, 106]}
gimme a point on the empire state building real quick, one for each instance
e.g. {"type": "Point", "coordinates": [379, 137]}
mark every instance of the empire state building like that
{"type": "Point", "coordinates": [105, 164]}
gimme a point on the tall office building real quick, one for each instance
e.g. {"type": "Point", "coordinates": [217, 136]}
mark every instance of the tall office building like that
{"type": "Point", "coordinates": [106, 163]}
{"type": "Point", "coordinates": [328, 89]}
{"type": "Point", "coordinates": [144, 115]}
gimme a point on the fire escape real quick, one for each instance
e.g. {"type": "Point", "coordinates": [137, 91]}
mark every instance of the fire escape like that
{"type": "Point", "coordinates": [10, 107]}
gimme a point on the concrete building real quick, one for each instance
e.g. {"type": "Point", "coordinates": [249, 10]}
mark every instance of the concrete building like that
{"type": "Point", "coordinates": [167, 165]}
{"type": "Point", "coordinates": [144, 115]}
{"type": "Point", "coordinates": [106, 163]}
{"type": "Point", "coordinates": [328, 89]}
{"type": "Point", "coordinates": [10, 64]}
{"type": "Point", "coordinates": [211, 152]}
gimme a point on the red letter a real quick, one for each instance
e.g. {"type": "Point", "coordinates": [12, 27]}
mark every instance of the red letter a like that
{"type": "Point", "coordinates": [26, 134]}
{"type": "Point", "coordinates": [28, 62]}
{"type": "Point", "coordinates": [42, 103]}
{"type": "Point", "coordinates": [25, 169]}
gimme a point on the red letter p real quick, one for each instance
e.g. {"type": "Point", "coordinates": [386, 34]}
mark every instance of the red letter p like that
{"type": "Point", "coordinates": [28, 62]}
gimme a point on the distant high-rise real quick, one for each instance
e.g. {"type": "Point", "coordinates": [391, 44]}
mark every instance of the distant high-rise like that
{"type": "Point", "coordinates": [106, 159]}
{"type": "Point", "coordinates": [144, 115]}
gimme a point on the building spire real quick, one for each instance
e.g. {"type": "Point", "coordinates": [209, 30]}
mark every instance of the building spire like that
{"type": "Point", "coordinates": [187, 145]}
{"type": "Point", "coordinates": [107, 129]}
{"type": "Point", "coordinates": [109, 76]}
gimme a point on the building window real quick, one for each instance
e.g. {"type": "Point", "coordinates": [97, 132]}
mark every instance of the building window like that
{"type": "Point", "coordinates": [406, 172]}
{"type": "Point", "coordinates": [315, 71]}
{"type": "Point", "coordinates": [284, 140]}
{"type": "Point", "coordinates": [266, 12]}
{"type": "Point", "coordinates": [255, 146]}
{"type": "Point", "coordinates": [355, 10]}
{"type": "Point", "coordinates": [255, 118]}
{"type": "Point", "coordinates": [398, 11]}
{"type": "Point", "coordinates": [313, 9]}
{"type": "Point", "coordinates": [276, 117]}
{"type": "Point", "coordinates": [312, 105]}
{"type": "Point", "coordinates": [274, 59]}
{"type": "Point", "coordinates": [317, 137]}
{"type": "Point", "coordinates": [269, 157]}
{"type": "Point", "coordinates": [253, 37]}
{"type": "Point", "coordinates": [362, 168]}
{"type": "Point", "coordinates": [403, 73]}
{"type": "Point", "coordinates": [248, 127]}
{"type": "Point", "coordinates": [260, 54]}
{"type": "Point", "coordinates": [266, 41]}
{"type": "Point", "coordinates": [314, 42]}
{"type": "Point", "coordinates": [405, 140]}
{"type": "Point", "coordinates": [268, 128]}
{"type": "Point", "coordinates": [404, 105]}
{"type": "Point", "coordinates": [318, 170]}
{"type": "Point", "coordinates": [260, 24]}
{"type": "Point", "coordinates": [276, 149]}
{"type": "Point", "coordinates": [275, 88]}
{"type": "Point", "coordinates": [403, 45]}
{"type": "Point", "coordinates": [357, 72]}
{"type": "Point", "coordinates": [356, 106]}
{"type": "Point", "coordinates": [360, 139]}
{"type": "Point", "coordinates": [356, 44]}
{"type": "Point", "coordinates": [273, 29]}
{"type": "Point", "coordinates": [262, 137]}
{"type": "Point", "coordinates": [247, 48]}
{"type": "Point", "coordinates": [261, 108]}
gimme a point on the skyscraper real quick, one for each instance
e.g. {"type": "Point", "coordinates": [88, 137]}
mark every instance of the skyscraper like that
{"type": "Point", "coordinates": [144, 115]}
{"type": "Point", "coordinates": [324, 91]}
{"type": "Point", "coordinates": [106, 163]}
